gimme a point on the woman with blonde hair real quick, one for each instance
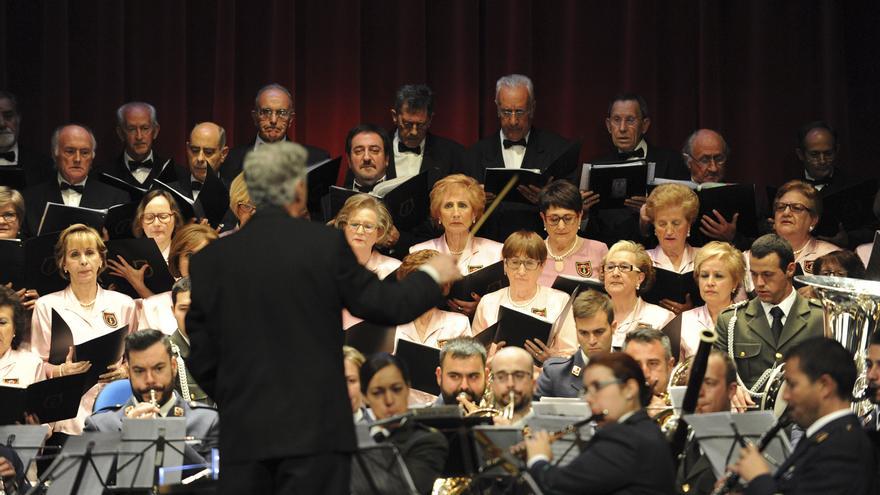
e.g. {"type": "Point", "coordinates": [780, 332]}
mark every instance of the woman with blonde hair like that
{"type": "Point", "coordinates": [366, 223]}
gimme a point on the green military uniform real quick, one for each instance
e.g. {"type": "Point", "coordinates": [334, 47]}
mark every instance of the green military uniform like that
{"type": "Point", "coordinates": [195, 392]}
{"type": "Point", "coordinates": [755, 348]}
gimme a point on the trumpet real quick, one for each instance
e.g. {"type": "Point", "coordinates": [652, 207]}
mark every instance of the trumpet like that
{"type": "Point", "coordinates": [490, 412]}
{"type": "Point", "coordinates": [153, 398]}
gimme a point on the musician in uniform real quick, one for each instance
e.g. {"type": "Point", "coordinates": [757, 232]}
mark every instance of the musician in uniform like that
{"type": "Point", "coordinates": [594, 321]}
{"type": "Point", "coordinates": [757, 334]}
{"type": "Point", "coordinates": [153, 369]}
{"type": "Point", "coordinates": [512, 372]}
{"type": "Point", "coordinates": [653, 351]}
{"type": "Point", "coordinates": [835, 456]}
{"type": "Point", "coordinates": [184, 383]}
{"type": "Point", "coordinates": [627, 454]}
{"type": "Point", "coordinates": [462, 369]}
{"type": "Point", "coordinates": [872, 421]}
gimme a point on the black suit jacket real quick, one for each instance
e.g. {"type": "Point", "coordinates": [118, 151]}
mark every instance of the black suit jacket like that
{"type": "Point", "coordinates": [668, 164]}
{"type": "Point", "coordinates": [96, 195]}
{"type": "Point", "coordinates": [232, 166]}
{"type": "Point", "coordinates": [695, 475]}
{"type": "Point", "coordinates": [163, 169]}
{"type": "Point", "coordinates": [837, 459]}
{"type": "Point", "coordinates": [266, 333]}
{"type": "Point", "coordinates": [38, 167]}
{"type": "Point", "coordinates": [622, 458]}
{"type": "Point", "coordinates": [424, 451]}
{"type": "Point", "coordinates": [442, 157]}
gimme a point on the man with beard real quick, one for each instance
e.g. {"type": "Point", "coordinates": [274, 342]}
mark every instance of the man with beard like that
{"type": "Point", "coordinates": [36, 166]}
{"type": "Point", "coordinates": [151, 368]}
{"type": "Point", "coordinates": [594, 321]}
{"type": "Point", "coordinates": [512, 371]}
{"type": "Point", "coordinates": [872, 421]}
{"type": "Point", "coordinates": [462, 369]}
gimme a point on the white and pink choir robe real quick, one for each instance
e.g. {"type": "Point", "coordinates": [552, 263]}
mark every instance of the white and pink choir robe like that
{"type": "Point", "coordinates": [157, 312]}
{"type": "Point", "coordinates": [644, 313]}
{"type": "Point", "coordinates": [693, 321]}
{"type": "Point", "coordinates": [382, 266]}
{"type": "Point", "coordinates": [20, 368]}
{"type": "Point", "coordinates": [444, 325]}
{"type": "Point", "coordinates": [585, 262]}
{"type": "Point", "coordinates": [814, 249]}
{"type": "Point", "coordinates": [112, 310]}
{"type": "Point", "coordinates": [661, 260]}
{"type": "Point", "coordinates": [548, 304]}
{"type": "Point", "coordinates": [864, 252]}
{"type": "Point", "coordinates": [478, 252]}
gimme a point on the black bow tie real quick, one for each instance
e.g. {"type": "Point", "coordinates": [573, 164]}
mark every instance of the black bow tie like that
{"type": "Point", "coordinates": [636, 153]}
{"type": "Point", "coordinates": [402, 148]}
{"type": "Point", "coordinates": [508, 143]}
{"type": "Point", "coordinates": [195, 185]}
{"type": "Point", "coordinates": [9, 156]}
{"type": "Point", "coordinates": [133, 165]}
{"type": "Point", "coordinates": [80, 188]}
{"type": "Point", "coordinates": [820, 182]}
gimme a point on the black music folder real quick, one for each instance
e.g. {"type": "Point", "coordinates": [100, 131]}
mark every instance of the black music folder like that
{"type": "Point", "coordinates": [12, 263]}
{"type": "Point", "coordinates": [673, 286]}
{"type": "Point", "coordinates": [422, 361]}
{"type": "Point", "coordinates": [616, 182]}
{"type": "Point", "coordinates": [515, 327]}
{"type": "Point", "coordinates": [495, 179]}
{"type": "Point", "coordinates": [673, 331]}
{"type": "Point", "coordinates": [320, 177]}
{"type": "Point", "coordinates": [135, 192]}
{"type": "Point", "coordinates": [798, 271]}
{"type": "Point", "coordinates": [58, 216]}
{"type": "Point", "coordinates": [213, 198]}
{"type": "Point", "coordinates": [570, 283]}
{"type": "Point", "coordinates": [487, 336]}
{"type": "Point", "coordinates": [406, 199]}
{"type": "Point", "coordinates": [370, 338]}
{"type": "Point", "coordinates": [851, 206]}
{"type": "Point", "coordinates": [119, 220]}
{"type": "Point", "coordinates": [101, 352]}
{"type": "Point", "coordinates": [188, 207]}
{"type": "Point", "coordinates": [50, 400]}
{"type": "Point", "coordinates": [728, 199]}
{"type": "Point", "coordinates": [872, 271]}
{"type": "Point", "coordinates": [62, 339]}
{"type": "Point", "coordinates": [41, 270]}
{"type": "Point", "coordinates": [13, 177]}
{"type": "Point", "coordinates": [138, 252]}
{"type": "Point", "coordinates": [483, 281]}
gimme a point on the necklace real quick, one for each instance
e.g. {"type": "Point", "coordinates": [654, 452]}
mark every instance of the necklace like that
{"type": "Point", "coordinates": [88, 305]}
{"type": "Point", "coordinates": [797, 252]}
{"type": "Point", "coordinates": [455, 253]}
{"type": "Point", "coordinates": [524, 304]}
{"type": "Point", "coordinates": [559, 261]}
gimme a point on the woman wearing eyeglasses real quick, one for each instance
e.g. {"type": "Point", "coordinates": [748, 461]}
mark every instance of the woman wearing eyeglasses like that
{"type": "Point", "coordinates": [627, 454]}
{"type": "Point", "coordinates": [797, 209]}
{"type": "Point", "coordinates": [457, 202]}
{"type": "Point", "coordinates": [524, 254]}
{"type": "Point", "coordinates": [157, 218]}
{"type": "Point", "coordinates": [11, 217]}
{"type": "Point", "coordinates": [626, 270]}
{"type": "Point", "coordinates": [561, 210]}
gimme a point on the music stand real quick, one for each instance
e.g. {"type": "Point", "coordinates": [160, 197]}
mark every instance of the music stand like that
{"type": "Point", "coordinates": [564, 450]}
{"type": "Point", "coordinates": [148, 444]}
{"type": "Point", "coordinates": [378, 468]}
{"type": "Point", "coordinates": [498, 464]}
{"type": "Point", "coordinates": [82, 466]}
{"type": "Point", "coordinates": [27, 440]}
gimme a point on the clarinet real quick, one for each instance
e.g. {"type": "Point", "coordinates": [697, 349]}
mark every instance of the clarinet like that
{"type": "Point", "coordinates": [732, 479]}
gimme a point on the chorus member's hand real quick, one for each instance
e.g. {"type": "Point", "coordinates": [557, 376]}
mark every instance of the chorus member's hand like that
{"type": "Point", "coordinates": [589, 200]}
{"type": "Point", "coordinates": [114, 372]}
{"type": "Point", "coordinates": [718, 227]}
{"type": "Point", "coordinates": [538, 349]}
{"type": "Point", "coordinates": [464, 307]}
{"type": "Point", "coordinates": [7, 470]}
{"type": "Point", "coordinates": [635, 202]}
{"type": "Point", "coordinates": [538, 443]}
{"type": "Point", "coordinates": [134, 276]}
{"type": "Point", "coordinates": [69, 366]}
{"type": "Point", "coordinates": [677, 307]}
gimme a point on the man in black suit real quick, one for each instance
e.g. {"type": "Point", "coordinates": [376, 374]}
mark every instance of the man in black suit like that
{"type": "Point", "coordinates": [284, 434]}
{"type": "Point", "coordinates": [367, 147]}
{"type": "Point", "coordinates": [416, 150]}
{"type": "Point", "coordinates": [516, 145]}
{"type": "Point", "coordinates": [205, 148]}
{"type": "Point", "coordinates": [817, 150]}
{"type": "Point", "coordinates": [138, 128]}
{"type": "Point", "coordinates": [36, 166]}
{"type": "Point", "coordinates": [835, 455]}
{"type": "Point", "coordinates": [73, 148]}
{"type": "Point", "coordinates": [273, 116]}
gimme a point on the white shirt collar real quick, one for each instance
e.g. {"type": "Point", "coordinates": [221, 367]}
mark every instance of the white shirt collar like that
{"type": "Point", "coordinates": [357, 185]}
{"type": "Point", "coordinates": [643, 145]}
{"type": "Point", "coordinates": [625, 417]}
{"type": "Point", "coordinates": [397, 140]}
{"type": "Point", "coordinates": [824, 420]}
{"type": "Point", "coordinates": [785, 305]}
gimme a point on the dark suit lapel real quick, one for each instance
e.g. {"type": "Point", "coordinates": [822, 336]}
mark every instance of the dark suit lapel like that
{"type": "Point", "coordinates": [91, 194]}
{"type": "Point", "coordinates": [757, 322]}
{"type": "Point", "coordinates": [492, 159]}
{"type": "Point", "coordinates": [796, 321]}
{"type": "Point", "coordinates": [535, 152]}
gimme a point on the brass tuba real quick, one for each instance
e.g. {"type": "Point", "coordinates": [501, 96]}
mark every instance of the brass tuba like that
{"type": "Point", "coordinates": [852, 310]}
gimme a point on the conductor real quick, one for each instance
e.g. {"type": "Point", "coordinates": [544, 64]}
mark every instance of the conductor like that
{"type": "Point", "coordinates": [254, 330]}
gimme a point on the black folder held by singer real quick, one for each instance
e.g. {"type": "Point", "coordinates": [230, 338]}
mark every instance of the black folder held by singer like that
{"type": "Point", "coordinates": [138, 252]}
{"type": "Point", "coordinates": [483, 281]}
{"type": "Point", "coordinates": [101, 351]}
{"type": "Point", "coordinates": [421, 360]}
{"type": "Point", "coordinates": [50, 400]}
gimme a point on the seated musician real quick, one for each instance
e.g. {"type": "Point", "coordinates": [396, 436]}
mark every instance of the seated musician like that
{"type": "Point", "coordinates": [436, 326]}
{"type": "Point", "coordinates": [11, 470]}
{"type": "Point", "coordinates": [148, 353]}
{"type": "Point", "coordinates": [352, 360]}
{"type": "Point", "coordinates": [594, 321]}
{"type": "Point", "coordinates": [512, 375]}
{"type": "Point", "coordinates": [627, 454]}
{"type": "Point", "coordinates": [462, 370]}
{"type": "Point", "coordinates": [757, 333]}
{"type": "Point", "coordinates": [184, 383]}
{"type": "Point", "coordinates": [694, 474]}
{"type": "Point", "coordinates": [835, 456]}
{"type": "Point", "coordinates": [653, 352]}
{"type": "Point", "coordinates": [524, 255]}
{"type": "Point", "coordinates": [385, 384]}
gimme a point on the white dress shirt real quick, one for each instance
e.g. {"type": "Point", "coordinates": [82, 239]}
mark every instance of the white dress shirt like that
{"type": "Point", "coordinates": [69, 196]}
{"type": "Point", "coordinates": [407, 164]}
{"type": "Point", "coordinates": [140, 173]}
{"type": "Point", "coordinates": [513, 156]}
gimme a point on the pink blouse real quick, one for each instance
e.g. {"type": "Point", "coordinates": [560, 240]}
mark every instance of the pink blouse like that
{"type": "Point", "coordinates": [585, 262]}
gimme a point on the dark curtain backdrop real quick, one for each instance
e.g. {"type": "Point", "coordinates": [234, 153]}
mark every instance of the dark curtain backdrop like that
{"type": "Point", "coordinates": [752, 69]}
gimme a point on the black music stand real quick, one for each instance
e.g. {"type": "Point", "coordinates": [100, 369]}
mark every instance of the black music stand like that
{"type": "Point", "coordinates": [148, 444]}
{"type": "Point", "coordinates": [378, 468]}
{"type": "Point", "coordinates": [498, 466]}
{"type": "Point", "coordinates": [81, 467]}
{"type": "Point", "coordinates": [27, 440]}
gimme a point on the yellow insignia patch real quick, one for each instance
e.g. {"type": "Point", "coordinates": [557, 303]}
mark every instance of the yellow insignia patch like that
{"type": "Point", "coordinates": [11, 381]}
{"type": "Point", "coordinates": [128, 410]}
{"type": "Point", "coordinates": [178, 411]}
{"type": "Point", "coordinates": [473, 268]}
{"type": "Point", "coordinates": [576, 370]}
{"type": "Point", "coordinates": [685, 488]}
{"type": "Point", "coordinates": [540, 311]}
{"type": "Point", "coordinates": [821, 437]}
{"type": "Point", "coordinates": [110, 319]}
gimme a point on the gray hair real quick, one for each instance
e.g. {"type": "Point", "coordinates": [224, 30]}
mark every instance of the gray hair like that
{"type": "Point", "coordinates": [516, 81]}
{"type": "Point", "coordinates": [57, 134]}
{"type": "Point", "coordinates": [275, 86]}
{"type": "Point", "coordinates": [647, 334]}
{"type": "Point", "coordinates": [462, 348]}
{"type": "Point", "coordinates": [688, 147]}
{"type": "Point", "coordinates": [120, 112]}
{"type": "Point", "coordinates": [272, 173]}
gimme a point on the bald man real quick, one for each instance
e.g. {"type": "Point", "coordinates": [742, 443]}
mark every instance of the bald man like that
{"type": "Point", "coordinates": [512, 371]}
{"type": "Point", "coordinates": [137, 127]}
{"type": "Point", "coordinates": [206, 148]}
{"type": "Point", "coordinates": [273, 116]}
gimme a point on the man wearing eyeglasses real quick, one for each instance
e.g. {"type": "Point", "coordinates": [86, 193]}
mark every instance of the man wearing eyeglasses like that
{"type": "Point", "coordinates": [512, 371]}
{"type": "Point", "coordinates": [273, 116]}
{"type": "Point", "coordinates": [73, 148]}
{"type": "Point", "coordinates": [138, 128]}
{"type": "Point", "coordinates": [415, 148]}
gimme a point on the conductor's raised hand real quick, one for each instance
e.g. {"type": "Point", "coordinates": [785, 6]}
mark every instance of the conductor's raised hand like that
{"type": "Point", "coordinates": [447, 268]}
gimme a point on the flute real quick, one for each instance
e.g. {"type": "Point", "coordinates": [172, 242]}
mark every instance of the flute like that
{"type": "Point", "coordinates": [520, 448]}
